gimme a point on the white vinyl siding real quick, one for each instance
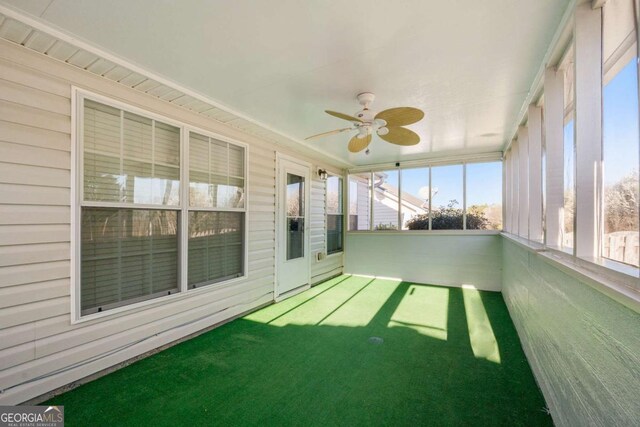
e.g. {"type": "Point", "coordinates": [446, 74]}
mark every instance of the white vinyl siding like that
{"type": "Point", "coordinates": [37, 338]}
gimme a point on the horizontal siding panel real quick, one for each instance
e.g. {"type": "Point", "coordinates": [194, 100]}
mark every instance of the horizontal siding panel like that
{"type": "Point", "coordinates": [24, 294]}
{"type": "Point", "coordinates": [255, 236]}
{"type": "Point", "coordinates": [34, 311]}
{"type": "Point", "coordinates": [34, 117]}
{"type": "Point", "coordinates": [44, 365]}
{"type": "Point", "coordinates": [29, 254]}
{"type": "Point", "coordinates": [27, 390]}
{"type": "Point", "coordinates": [33, 273]}
{"type": "Point", "coordinates": [33, 215]}
{"type": "Point", "coordinates": [11, 173]}
{"type": "Point", "coordinates": [260, 263]}
{"type": "Point", "coordinates": [28, 234]}
{"type": "Point", "coordinates": [35, 156]}
{"type": "Point", "coordinates": [208, 304]}
{"type": "Point", "coordinates": [262, 200]}
{"type": "Point", "coordinates": [261, 225]}
{"type": "Point", "coordinates": [60, 326]}
{"type": "Point", "coordinates": [36, 98]}
{"type": "Point", "coordinates": [262, 254]}
{"type": "Point", "coordinates": [33, 136]}
{"type": "Point", "coordinates": [10, 71]}
{"type": "Point", "coordinates": [12, 194]}
{"type": "Point", "coordinates": [17, 335]}
{"type": "Point", "coordinates": [22, 353]}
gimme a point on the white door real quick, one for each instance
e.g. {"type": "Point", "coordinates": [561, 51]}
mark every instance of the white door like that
{"type": "Point", "coordinates": [293, 226]}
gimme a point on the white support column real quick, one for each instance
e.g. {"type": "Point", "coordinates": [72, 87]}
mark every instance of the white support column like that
{"type": "Point", "coordinates": [514, 187]}
{"type": "Point", "coordinates": [554, 151]}
{"type": "Point", "coordinates": [506, 192]}
{"type": "Point", "coordinates": [535, 172]}
{"type": "Point", "coordinates": [588, 51]}
{"type": "Point", "coordinates": [523, 182]}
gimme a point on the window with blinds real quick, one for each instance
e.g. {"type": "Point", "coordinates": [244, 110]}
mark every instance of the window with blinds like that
{"type": "Point", "coordinates": [335, 214]}
{"type": "Point", "coordinates": [216, 210]}
{"type": "Point", "coordinates": [130, 209]}
{"type": "Point", "coordinates": [128, 254]}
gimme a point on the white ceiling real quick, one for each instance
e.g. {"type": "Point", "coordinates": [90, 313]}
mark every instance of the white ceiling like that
{"type": "Point", "coordinates": [467, 64]}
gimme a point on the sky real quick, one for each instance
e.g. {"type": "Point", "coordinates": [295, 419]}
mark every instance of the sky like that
{"type": "Point", "coordinates": [620, 124]}
{"type": "Point", "coordinates": [484, 183]}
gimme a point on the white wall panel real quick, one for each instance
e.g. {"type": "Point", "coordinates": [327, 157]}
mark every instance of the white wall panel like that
{"type": "Point", "coordinates": [450, 260]}
{"type": "Point", "coordinates": [583, 347]}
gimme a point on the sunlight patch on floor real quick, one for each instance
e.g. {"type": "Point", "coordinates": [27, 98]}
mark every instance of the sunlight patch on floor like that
{"type": "Point", "coordinates": [363, 306]}
{"type": "Point", "coordinates": [483, 340]}
{"type": "Point", "coordinates": [423, 309]}
{"type": "Point", "coordinates": [275, 311]}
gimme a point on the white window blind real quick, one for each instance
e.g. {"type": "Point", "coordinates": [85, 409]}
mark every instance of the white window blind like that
{"type": "Point", "coordinates": [334, 207]}
{"type": "Point", "coordinates": [216, 210]}
{"type": "Point", "coordinates": [129, 158]}
{"type": "Point", "coordinates": [128, 254]}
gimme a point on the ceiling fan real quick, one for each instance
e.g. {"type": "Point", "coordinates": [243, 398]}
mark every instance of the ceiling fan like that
{"type": "Point", "coordinates": [387, 124]}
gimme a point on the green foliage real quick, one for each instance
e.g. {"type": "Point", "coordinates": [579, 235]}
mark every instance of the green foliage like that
{"type": "Point", "coordinates": [621, 204]}
{"type": "Point", "coordinates": [389, 226]}
{"type": "Point", "coordinates": [450, 218]}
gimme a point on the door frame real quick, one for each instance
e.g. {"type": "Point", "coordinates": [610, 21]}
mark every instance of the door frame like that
{"type": "Point", "coordinates": [280, 239]}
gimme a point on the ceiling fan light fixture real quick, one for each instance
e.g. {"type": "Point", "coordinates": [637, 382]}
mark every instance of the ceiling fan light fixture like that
{"type": "Point", "coordinates": [387, 124]}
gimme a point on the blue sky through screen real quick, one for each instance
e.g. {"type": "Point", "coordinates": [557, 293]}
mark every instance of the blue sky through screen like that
{"type": "Point", "coordinates": [620, 124]}
{"type": "Point", "coordinates": [484, 183]}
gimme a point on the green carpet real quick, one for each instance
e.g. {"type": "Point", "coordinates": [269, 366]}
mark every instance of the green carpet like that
{"type": "Point", "coordinates": [351, 351]}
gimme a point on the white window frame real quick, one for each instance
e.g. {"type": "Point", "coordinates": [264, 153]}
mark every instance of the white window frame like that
{"type": "Point", "coordinates": [490, 158]}
{"type": "Point", "coordinates": [615, 278]}
{"type": "Point", "coordinates": [78, 95]}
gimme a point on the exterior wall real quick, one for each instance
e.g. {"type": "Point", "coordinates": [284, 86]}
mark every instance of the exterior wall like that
{"type": "Point", "coordinates": [40, 349]}
{"type": "Point", "coordinates": [385, 209]}
{"type": "Point", "coordinates": [449, 259]}
{"type": "Point", "coordinates": [332, 264]}
{"type": "Point", "coordinates": [363, 209]}
{"type": "Point", "coordinates": [583, 346]}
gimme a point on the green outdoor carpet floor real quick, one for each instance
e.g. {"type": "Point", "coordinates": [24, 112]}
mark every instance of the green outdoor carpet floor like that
{"type": "Point", "coordinates": [351, 351]}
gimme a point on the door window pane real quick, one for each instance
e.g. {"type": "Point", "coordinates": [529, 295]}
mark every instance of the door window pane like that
{"type": "Point", "coordinates": [385, 200]}
{"type": "Point", "coordinates": [359, 201]}
{"type": "Point", "coordinates": [415, 199]}
{"type": "Point", "coordinates": [484, 196]}
{"type": "Point", "coordinates": [295, 216]}
{"type": "Point", "coordinates": [447, 195]}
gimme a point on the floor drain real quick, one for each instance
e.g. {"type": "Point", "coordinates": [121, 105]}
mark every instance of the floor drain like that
{"type": "Point", "coordinates": [375, 340]}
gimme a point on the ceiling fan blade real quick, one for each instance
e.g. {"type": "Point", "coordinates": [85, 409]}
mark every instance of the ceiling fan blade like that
{"type": "Point", "coordinates": [401, 136]}
{"type": "Point", "coordinates": [401, 116]}
{"type": "Point", "coordinates": [342, 116]}
{"type": "Point", "coordinates": [358, 144]}
{"type": "Point", "coordinates": [331, 132]}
